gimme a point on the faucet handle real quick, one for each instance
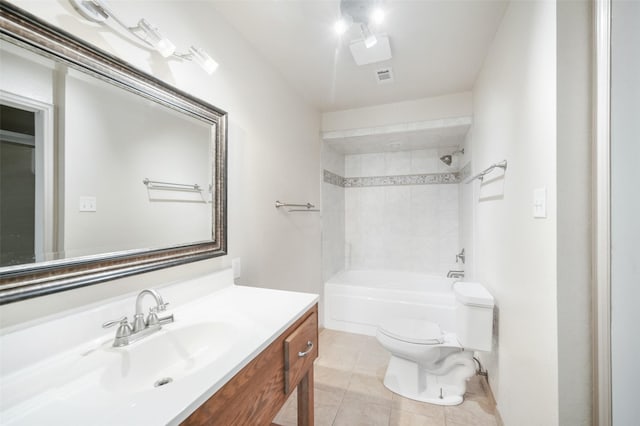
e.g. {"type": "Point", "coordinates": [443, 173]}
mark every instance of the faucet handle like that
{"type": "Point", "coordinates": [111, 323]}
{"type": "Point", "coordinates": [152, 319]}
{"type": "Point", "coordinates": [162, 307]}
{"type": "Point", "coordinates": [124, 329]}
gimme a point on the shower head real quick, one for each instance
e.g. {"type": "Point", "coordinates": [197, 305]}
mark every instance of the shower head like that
{"type": "Point", "coordinates": [447, 159]}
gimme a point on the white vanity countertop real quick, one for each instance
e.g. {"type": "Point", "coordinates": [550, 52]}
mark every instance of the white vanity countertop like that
{"type": "Point", "coordinates": [91, 383]}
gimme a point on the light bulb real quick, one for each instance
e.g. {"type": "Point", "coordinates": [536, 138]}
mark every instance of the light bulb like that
{"type": "Point", "coordinates": [340, 27]}
{"type": "Point", "coordinates": [370, 40]}
{"type": "Point", "coordinates": [203, 59]}
{"type": "Point", "coordinates": [165, 47]}
{"type": "Point", "coordinates": [377, 16]}
{"type": "Point", "coordinates": [162, 44]}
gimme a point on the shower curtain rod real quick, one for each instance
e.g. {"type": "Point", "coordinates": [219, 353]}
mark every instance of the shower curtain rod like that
{"type": "Point", "coordinates": [502, 165]}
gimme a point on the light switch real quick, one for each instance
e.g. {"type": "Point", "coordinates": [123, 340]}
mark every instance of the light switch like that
{"type": "Point", "coordinates": [88, 204]}
{"type": "Point", "coordinates": [540, 202]}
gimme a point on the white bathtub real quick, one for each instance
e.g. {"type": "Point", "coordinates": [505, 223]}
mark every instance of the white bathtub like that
{"type": "Point", "coordinates": [356, 301]}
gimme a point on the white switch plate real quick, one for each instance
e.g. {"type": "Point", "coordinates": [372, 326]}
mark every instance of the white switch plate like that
{"type": "Point", "coordinates": [88, 204]}
{"type": "Point", "coordinates": [540, 202]}
{"type": "Point", "coordinates": [237, 267]}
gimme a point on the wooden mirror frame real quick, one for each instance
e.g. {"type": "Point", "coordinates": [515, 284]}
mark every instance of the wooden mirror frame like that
{"type": "Point", "coordinates": [38, 279]}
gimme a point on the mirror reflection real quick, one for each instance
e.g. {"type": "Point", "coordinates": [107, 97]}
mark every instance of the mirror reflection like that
{"type": "Point", "coordinates": [90, 168]}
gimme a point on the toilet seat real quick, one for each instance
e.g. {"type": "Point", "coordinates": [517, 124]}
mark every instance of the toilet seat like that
{"type": "Point", "coordinates": [412, 331]}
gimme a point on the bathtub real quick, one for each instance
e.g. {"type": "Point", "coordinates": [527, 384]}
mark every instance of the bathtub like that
{"type": "Point", "coordinates": [357, 300]}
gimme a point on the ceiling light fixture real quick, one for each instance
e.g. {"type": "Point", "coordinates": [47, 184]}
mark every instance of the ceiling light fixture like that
{"type": "Point", "coordinates": [377, 16]}
{"type": "Point", "coordinates": [99, 11]}
{"type": "Point", "coordinates": [361, 12]}
{"type": "Point", "coordinates": [370, 40]}
{"type": "Point", "coordinates": [340, 26]}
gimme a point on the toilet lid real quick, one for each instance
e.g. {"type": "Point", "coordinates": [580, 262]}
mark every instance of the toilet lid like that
{"type": "Point", "coordinates": [412, 331]}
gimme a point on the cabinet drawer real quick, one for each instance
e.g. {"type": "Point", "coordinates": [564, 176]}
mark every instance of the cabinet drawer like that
{"type": "Point", "coordinates": [300, 350]}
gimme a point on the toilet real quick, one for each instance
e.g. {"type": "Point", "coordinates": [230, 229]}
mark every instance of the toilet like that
{"type": "Point", "coordinates": [432, 365]}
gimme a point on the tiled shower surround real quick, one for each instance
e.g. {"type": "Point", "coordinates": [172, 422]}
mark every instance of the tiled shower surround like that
{"type": "Point", "coordinates": [333, 244]}
{"type": "Point", "coordinates": [400, 210]}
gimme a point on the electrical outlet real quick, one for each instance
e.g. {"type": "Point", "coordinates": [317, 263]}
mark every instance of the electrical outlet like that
{"type": "Point", "coordinates": [88, 204]}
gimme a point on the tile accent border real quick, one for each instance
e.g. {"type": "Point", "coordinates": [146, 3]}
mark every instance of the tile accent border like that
{"type": "Point", "coordinates": [333, 178]}
{"type": "Point", "coordinates": [422, 179]}
{"type": "Point", "coordinates": [397, 180]}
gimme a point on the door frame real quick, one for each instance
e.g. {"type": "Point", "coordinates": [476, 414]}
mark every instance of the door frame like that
{"type": "Point", "coordinates": [44, 226]}
{"type": "Point", "coordinates": [602, 213]}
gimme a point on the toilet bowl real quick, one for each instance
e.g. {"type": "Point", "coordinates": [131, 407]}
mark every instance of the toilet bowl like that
{"type": "Point", "coordinates": [432, 365]}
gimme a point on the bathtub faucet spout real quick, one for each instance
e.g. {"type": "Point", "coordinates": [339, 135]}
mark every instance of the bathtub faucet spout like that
{"type": "Point", "coordinates": [455, 274]}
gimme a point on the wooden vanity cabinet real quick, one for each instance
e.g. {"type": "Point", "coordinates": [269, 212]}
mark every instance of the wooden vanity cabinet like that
{"type": "Point", "coordinates": [258, 391]}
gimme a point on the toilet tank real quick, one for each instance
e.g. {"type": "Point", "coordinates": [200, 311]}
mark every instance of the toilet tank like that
{"type": "Point", "coordinates": [474, 315]}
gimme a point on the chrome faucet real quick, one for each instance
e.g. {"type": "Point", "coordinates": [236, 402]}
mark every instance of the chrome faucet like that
{"type": "Point", "coordinates": [460, 256]}
{"type": "Point", "coordinates": [125, 334]}
{"type": "Point", "coordinates": [455, 274]}
{"type": "Point", "coordinates": [139, 322]}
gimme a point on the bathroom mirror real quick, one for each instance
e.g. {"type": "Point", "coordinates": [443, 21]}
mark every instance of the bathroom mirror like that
{"type": "Point", "coordinates": [105, 171]}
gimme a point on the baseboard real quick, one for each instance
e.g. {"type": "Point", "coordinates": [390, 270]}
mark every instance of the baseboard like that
{"type": "Point", "coordinates": [489, 392]}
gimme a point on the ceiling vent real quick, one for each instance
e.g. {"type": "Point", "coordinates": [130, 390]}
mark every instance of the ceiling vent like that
{"type": "Point", "coordinates": [384, 75]}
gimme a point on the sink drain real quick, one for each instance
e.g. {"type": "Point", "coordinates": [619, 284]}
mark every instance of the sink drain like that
{"type": "Point", "coordinates": [162, 382]}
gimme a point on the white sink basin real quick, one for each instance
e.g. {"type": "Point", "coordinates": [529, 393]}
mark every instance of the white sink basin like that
{"type": "Point", "coordinates": [65, 371]}
{"type": "Point", "coordinates": [167, 356]}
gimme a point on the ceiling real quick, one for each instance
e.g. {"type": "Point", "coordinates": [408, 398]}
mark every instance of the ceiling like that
{"type": "Point", "coordinates": [438, 47]}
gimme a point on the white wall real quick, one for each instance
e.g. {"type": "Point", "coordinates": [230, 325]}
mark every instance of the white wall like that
{"type": "Point", "coordinates": [274, 148]}
{"type": "Point", "coordinates": [466, 208]}
{"type": "Point", "coordinates": [26, 74]}
{"type": "Point", "coordinates": [333, 243]}
{"type": "Point", "coordinates": [402, 227]}
{"type": "Point", "coordinates": [574, 47]}
{"type": "Point", "coordinates": [625, 210]}
{"type": "Point", "coordinates": [514, 109]}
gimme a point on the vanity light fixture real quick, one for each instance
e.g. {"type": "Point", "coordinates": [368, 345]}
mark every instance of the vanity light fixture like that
{"type": "Point", "coordinates": [152, 36]}
{"type": "Point", "coordinates": [99, 11]}
{"type": "Point", "coordinates": [201, 58]}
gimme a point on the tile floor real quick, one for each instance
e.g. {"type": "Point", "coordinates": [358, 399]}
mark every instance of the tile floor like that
{"type": "Point", "coordinates": [349, 391]}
